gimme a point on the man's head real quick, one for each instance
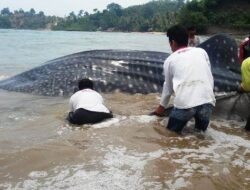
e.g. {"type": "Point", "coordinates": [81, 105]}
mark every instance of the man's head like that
{"type": "Point", "coordinates": [85, 83]}
{"type": "Point", "coordinates": [191, 31]}
{"type": "Point", "coordinates": [178, 37]}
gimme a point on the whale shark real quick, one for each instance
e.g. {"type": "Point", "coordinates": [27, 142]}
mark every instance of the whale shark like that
{"type": "Point", "coordinates": [133, 71]}
{"type": "Point", "coordinates": [129, 71]}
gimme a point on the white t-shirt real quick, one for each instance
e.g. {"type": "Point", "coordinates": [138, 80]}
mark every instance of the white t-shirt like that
{"type": "Point", "coordinates": [87, 99]}
{"type": "Point", "coordinates": [188, 75]}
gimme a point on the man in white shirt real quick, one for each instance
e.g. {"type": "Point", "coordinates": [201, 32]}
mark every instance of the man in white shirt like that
{"type": "Point", "coordinates": [87, 105]}
{"type": "Point", "coordinates": [189, 78]}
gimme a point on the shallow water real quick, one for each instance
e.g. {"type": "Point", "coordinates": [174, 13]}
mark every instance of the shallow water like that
{"type": "Point", "coordinates": [39, 149]}
{"type": "Point", "coordinates": [21, 50]}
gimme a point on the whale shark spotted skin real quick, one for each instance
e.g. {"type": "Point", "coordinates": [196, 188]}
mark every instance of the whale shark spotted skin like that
{"type": "Point", "coordinates": [127, 71]}
{"type": "Point", "coordinates": [111, 70]}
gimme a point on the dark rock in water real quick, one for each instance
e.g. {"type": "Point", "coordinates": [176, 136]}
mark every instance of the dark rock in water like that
{"type": "Point", "coordinates": [123, 70]}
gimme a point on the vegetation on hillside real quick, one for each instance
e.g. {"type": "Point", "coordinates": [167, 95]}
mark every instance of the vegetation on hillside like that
{"type": "Point", "coordinates": [229, 14]}
{"type": "Point", "coordinates": [152, 16]}
{"type": "Point", "coordinates": [25, 20]}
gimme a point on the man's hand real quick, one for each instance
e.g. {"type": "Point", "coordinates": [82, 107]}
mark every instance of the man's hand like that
{"type": "Point", "coordinates": [159, 111]}
{"type": "Point", "coordinates": [240, 90]}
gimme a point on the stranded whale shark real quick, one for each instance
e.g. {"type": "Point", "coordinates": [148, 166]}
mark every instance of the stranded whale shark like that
{"type": "Point", "coordinates": [131, 71]}
{"type": "Point", "coordinates": [122, 70]}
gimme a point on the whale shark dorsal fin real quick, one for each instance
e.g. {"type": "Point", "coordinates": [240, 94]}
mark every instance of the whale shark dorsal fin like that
{"type": "Point", "coordinates": [223, 51]}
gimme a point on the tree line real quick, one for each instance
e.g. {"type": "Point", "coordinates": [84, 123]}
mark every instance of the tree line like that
{"type": "Point", "coordinates": [20, 19]}
{"type": "Point", "coordinates": [228, 14]}
{"type": "Point", "coordinates": [152, 16]}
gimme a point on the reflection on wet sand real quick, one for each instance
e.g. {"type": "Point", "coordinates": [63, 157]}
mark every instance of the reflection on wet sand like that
{"type": "Point", "coordinates": [131, 151]}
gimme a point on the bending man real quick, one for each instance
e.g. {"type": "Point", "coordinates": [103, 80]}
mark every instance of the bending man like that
{"type": "Point", "coordinates": [87, 105]}
{"type": "Point", "coordinates": [188, 76]}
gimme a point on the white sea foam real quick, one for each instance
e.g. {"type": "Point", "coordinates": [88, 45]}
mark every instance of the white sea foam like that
{"type": "Point", "coordinates": [122, 168]}
{"type": "Point", "coordinates": [107, 123]}
{"type": "Point", "coordinates": [118, 118]}
{"type": "Point", "coordinates": [221, 137]}
{"type": "Point", "coordinates": [112, 176]}
{"type": "Point", "coordinates": [38, 174]}
{"type": "Point", "coordinates": [143, 118]}
{"type": "Point", "coordinates": [177, 184]}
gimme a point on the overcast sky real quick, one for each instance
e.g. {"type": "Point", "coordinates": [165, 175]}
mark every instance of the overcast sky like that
{"type": "Point", "coordinates": [64, 7]}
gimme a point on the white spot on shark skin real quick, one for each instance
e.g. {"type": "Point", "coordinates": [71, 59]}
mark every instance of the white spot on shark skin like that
{"type": "Point", "coordinates": [155, 87]}
{"type": "Point", "coordinates": [60, 92]}
{"type": "Point", "coordinates": [119, 63]}
{"type": "Point", "coordinates": [107, 71]}
{"type": "Point", "coordinates": [102, 80]}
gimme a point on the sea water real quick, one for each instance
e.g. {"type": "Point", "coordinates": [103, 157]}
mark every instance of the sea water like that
{"type": "Point", "coordinates": [39, 149]}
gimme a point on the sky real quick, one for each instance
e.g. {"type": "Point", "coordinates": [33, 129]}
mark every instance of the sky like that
{"type": "Point", "coordinates": [64, 7]}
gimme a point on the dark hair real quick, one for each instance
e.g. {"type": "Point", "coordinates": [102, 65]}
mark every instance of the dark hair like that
{"type": "Point", "coordinates": [178, 34]}
{"type": "Point", "coordinates": [85, 83]}
{"type": "Point", "coordinates": [191, 28]}
{"type": "Point", "coordinates": [247, 48]}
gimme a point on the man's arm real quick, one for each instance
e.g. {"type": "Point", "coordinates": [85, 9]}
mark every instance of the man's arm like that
{"type": "Point", "coordinates": [167, 90]}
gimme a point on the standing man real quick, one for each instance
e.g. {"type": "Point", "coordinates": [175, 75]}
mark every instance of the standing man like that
{"type": "Point", "coordinates": [245, 71]}
{"type": "Point", "coordinates": [188, 76]}
{"type": "Point", "coordinates": [244, 49]}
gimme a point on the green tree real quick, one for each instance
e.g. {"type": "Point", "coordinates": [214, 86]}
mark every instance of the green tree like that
{"type": "Point", "coordinates": [115, 8]}
{"type": "Point", "coordinates": [5, 12]}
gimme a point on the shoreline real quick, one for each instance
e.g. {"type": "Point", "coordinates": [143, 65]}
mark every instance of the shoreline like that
{"type": "Point", "coordinates": [210, 31]}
